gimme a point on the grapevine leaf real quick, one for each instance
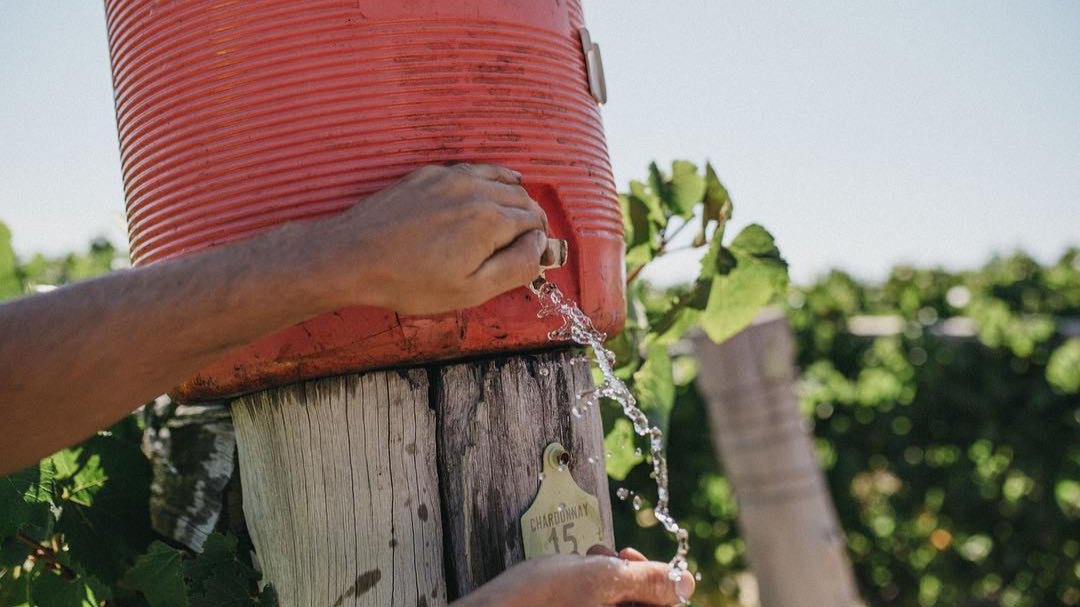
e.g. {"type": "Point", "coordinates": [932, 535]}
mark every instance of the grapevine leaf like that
{"type": "Point", "coordinates": [686, 189]}
{"type": "Point", "coordinates": [158, 574]}
{"type": "Point", "coordinates": [736, 297]}
{"type": "Point", "coordinates": [684, 312]}
{"type": "Point", "coordinates": [659, 185]}
{"type": "Point", "coordinates": [756, 241]}
{"type": "Point", "coordinates": [49, 587]}
{"type": "Point", "coordinates": [1063, 368]}
{"type": "Point", "coordinates": [14, 584]}
{"type": "Point", "coordinates": [26, 499]}
{"type": "Point", "coordinates": [619, 443]}
{"type": "Point", "coordinates": [681, 322]}
{"type": "Point", "coordinates": [222, 590]}
{"type": "Point", "coordinates": [717, 260]}
{"type": "Point", "coordinates": [717, 207]}
{"type": "Point", "coordinates": [647, 194]}
{"type": "Point", "coordinates": [655, 386]}
{"type": "Point", "coordinates": [10, 283]}
{"type": "Point", "coordinates": [268, 598]}
{"type": "Point", "coordinates": [106, 522]}
{"type": "Point", "coordinates": [638, 256]}
{"type": "Point", "coordinates": [641, 229]}
{"type": "Point", "coordinates": [218, 577]}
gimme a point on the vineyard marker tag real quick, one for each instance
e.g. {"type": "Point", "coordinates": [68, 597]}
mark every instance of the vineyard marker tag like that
{"type": "Point", "coordinates": [563, 517]}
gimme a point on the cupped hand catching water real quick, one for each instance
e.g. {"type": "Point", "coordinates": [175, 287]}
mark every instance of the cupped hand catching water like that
{"type": "Point", "coordinates": [443, 238]}
{"type": "Point", "coordinates": [601, 579]}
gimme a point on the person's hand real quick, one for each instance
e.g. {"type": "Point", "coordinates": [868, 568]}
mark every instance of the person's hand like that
{"type": "Point", "coordinates": [443, 238]}
{"type": "Point", "coordinates": [568, 580]}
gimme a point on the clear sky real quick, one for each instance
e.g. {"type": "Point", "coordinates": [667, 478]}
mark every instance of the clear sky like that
{"type": "Point", "coordinates": [861, 134]}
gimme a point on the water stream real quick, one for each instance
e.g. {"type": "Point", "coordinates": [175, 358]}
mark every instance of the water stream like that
{"type": "Point", "coordinates": [578, 327]}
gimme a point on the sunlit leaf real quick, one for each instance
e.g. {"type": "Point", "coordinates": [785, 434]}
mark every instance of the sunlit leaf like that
{"type": "Point", "coordinates": [623, 456]}
{"type": "Point", "coordinates": [10, 283]}
{"type": "Point", "coordinates": [25, 500]}
{"type": "Point", "coordinates": [105, 507]}
{"type": "Point", "coordinates": [735, 298]}
{"type": "Point", "coordinates": [74, 587]}
{"type": "Point", "coordinates": [655, 387]}
{"type": "Point", "coordinates": [717, 206]}
{"type": "Point", "coordinates": [1063, 368]}
{"type": "Point", "coordinates": [649, 196]}
{"type": "Point", "coordinates": [687, 187]}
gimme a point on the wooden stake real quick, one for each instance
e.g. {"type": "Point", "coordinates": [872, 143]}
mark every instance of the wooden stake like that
{"type": "Point", "coordinates": [794, 544]}
{"type": "Point", "coordinates": [404, 487]}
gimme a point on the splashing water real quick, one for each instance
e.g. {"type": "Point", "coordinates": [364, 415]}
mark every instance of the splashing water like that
{"type": "Point", "coordinates": [578, 327]}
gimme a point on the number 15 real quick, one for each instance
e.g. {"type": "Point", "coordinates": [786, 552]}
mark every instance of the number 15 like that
{"type": "Point", "coordinates": [566, 538]}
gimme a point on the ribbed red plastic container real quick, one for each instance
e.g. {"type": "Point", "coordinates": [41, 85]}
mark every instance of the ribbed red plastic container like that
{"type": "Point", "coordinates": [237, 116]}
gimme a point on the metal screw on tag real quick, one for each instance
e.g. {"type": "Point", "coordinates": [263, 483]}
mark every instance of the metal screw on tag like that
{"type": "Point", "coordinates": [563, 518]}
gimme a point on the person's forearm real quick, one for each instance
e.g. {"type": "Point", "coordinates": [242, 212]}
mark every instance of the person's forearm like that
{"type": "Point", "coordinates": [81, 357]}
{"type": "Point", "coordinates": [77, 359]}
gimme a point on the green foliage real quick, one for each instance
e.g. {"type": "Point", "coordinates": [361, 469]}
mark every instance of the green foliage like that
{"type": "Point", "coordinates": [735, 281]}
{"type": "Point", "coordinates": [622, 456]}
{"type": "Point", "coordinates": [952, 460]}
{"type": "Point", "coordinates": [752, 276]}
{"type": "Point", "coordinates": [1063, 367]}
{"type": "Point", "coordinates": [25, 499]}
{"type": "Point", "coordinates": [159, 576]}
{"type": "Point", "coordinates": [75, 528]}
{"type": "Point", "coordinates": [217, 578]}
{"type": "Point", "coordinates": [10, 284]}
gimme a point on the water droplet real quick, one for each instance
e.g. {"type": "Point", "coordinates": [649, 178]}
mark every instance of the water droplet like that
{"type": "Point", "coordinates": [592, 459]}
{"type": "Point", "coordinates": [561, 508]}
{"type": "Point", "coordinates": [540, 476]}
{"type": "Point", "coordinates": [622, 493]}
{"type": "Point", "coordinates": [637, 452]}
{"type": "Point", "coordinates": [697, 576]}
{"type": "Point", "coordinates": [544, 371]}
{"type": "Point", "coordinates": [578, 412]}
{"type": "Point", "coordinates": [562, 468]}
{"type": "Point", "coordinates": [637, 502]}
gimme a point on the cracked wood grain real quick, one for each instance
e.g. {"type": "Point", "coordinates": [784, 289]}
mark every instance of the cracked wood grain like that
{"type": "Point", "coordinates": [340, 490]}
{"type": "Point", "coordinates": [404, 487]}
{"type": "Point", "coordinates": [495, 418]}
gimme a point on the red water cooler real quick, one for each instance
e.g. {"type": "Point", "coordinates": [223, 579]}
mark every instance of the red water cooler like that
{"type": "Point", "coordinates": [235, 117]}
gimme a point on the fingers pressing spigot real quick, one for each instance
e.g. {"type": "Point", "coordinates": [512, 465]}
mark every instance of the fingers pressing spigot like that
{"type": "Point", "coordinates": [554, 256]}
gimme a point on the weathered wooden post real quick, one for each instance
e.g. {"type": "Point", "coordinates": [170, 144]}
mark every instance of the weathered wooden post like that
{"type": "Point", "coordinates": [794, 543]}
{"type": "Point", "coordinates": [404, 487]}
{"type": "Point", "coordinates": [367, 479]}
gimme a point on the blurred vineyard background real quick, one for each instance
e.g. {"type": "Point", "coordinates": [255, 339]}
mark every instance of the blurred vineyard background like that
{"type": "Point", "coordinates": [944, 408]}
{"type": "Point", "coordinates": [946, 415]}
